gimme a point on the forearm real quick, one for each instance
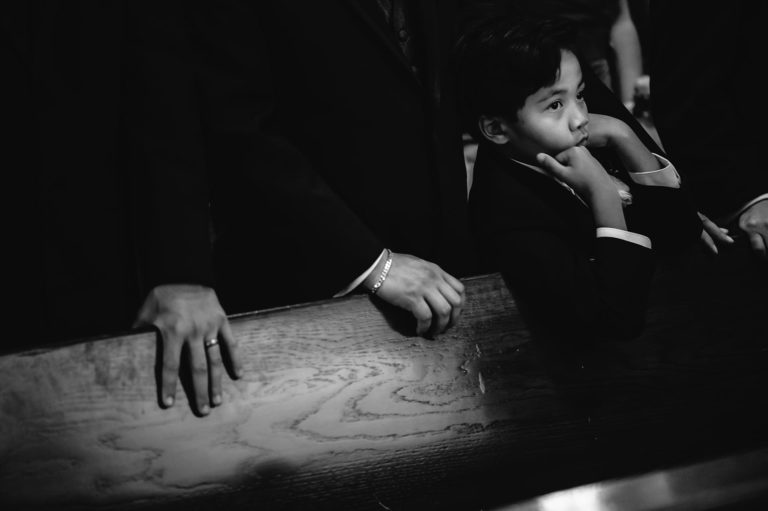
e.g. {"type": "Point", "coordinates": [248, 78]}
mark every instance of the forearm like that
{"type": "Point", "coordinates": [634, 155]}
{"type": "Point", "coordinates": [606, 208]}
{"type": "Point", "coordinates": [626, 45]}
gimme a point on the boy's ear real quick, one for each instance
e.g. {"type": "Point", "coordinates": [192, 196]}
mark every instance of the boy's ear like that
{"type": "Point", "coordinates": [494, 129]}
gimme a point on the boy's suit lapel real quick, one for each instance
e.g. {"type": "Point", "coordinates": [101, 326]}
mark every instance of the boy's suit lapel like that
{"type": "Point", "coordinates": [569, 208]}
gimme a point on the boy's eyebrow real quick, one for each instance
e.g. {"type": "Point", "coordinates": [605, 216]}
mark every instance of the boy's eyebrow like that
{"type": "Point", "coordinates": [555, 92]}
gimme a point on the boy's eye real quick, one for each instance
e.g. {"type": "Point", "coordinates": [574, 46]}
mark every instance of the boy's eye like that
{"type": "Point", "coordinates": [555, 105]}
{"type": "Point", "coordinates": [580, 95]}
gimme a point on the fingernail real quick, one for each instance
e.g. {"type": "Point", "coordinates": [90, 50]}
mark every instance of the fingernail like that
{"type": "Point", "coordinates": [205, 409]}
{"type": "Point", "coordinates": [217, 399]}
{"type": "Point", "coordinates": [168, 400]}
{"type": "Point", "coordinates": [239, 373]}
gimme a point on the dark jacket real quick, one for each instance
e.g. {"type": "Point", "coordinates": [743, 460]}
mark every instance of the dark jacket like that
{"type": "Point", "coordinates": [307, 131]}
{"type": "Point", "coordinates": [542, 238]}
{"type": "Point", "coordinates": [704, 59]}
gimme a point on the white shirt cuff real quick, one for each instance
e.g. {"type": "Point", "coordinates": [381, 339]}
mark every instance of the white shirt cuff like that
{"type": "Point", "coordinates": [632, 237]}
{"type": "Point", "coordinates": [352, 285]}
{"type": "Point", "coordinates": [666, 176]}
{"type": "Point", "coordinates": [742, 209]}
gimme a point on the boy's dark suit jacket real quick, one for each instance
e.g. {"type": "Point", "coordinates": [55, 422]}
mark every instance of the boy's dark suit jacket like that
{"type": "Point", "coordinates": [542, 238]}
{"type": "Point", "coordinates": [305, 127]}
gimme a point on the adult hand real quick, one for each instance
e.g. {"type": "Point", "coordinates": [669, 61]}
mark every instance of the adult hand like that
{"type": "Point", "coordinates": [191, 315]}
{"type": "Point", "coordinates": [754, 222]}
{"type": "Point", "coordinates": [434, 297]}
{"type": "Point", "coordinates": [713, 235]}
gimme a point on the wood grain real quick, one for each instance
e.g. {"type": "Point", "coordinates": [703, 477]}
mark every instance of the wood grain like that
{"type": "Point", "coordinates": [342, 408]}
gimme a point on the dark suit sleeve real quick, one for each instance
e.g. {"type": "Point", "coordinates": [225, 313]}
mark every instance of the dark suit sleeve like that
{"type": "Point", "coordinates": [580, 298]}
{"type": "Point", "coordinates": [204, 98]}
{"type": "Point", "coordinates": [172, 214]}
{"type": "Point", "coordinates": [666, 215]}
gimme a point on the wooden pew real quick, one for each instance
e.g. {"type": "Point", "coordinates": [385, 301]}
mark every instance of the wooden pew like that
{"type": "Point", "coordinates": [732, 482]}
{"type": "Point", "coordinates": [342, 408]}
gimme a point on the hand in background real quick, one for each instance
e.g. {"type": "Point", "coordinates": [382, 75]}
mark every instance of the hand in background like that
{"type": "Point", "coordinates": [434, 297]}
{"type": "Point", "coordinates": [754, 222]}
{"type": "Point", "coordinates": [713, 235]}
{"type": "Point", "coordinates": [191, 315]}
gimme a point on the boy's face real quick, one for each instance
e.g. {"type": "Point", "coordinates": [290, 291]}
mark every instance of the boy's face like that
{"type": "Point", "coordinates": [554, 118]}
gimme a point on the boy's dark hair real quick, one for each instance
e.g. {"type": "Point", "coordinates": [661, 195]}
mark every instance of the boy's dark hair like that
{"type": "Point", "coordinates": [502, 57]}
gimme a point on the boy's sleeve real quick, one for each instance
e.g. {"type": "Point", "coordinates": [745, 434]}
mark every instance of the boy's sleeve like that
{"type": "Point", "coordinates": [665, 176]}
{"type": "Point", "coordinates": [666, 215]}
{"type": "Point", "coordinates": [594, 296]}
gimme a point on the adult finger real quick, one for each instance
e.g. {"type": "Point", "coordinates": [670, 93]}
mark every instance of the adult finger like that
{"type": "Point", "coordinates": [171, 345]}
{"type": "Point", "coordinates": [715, 231]}
{"type": "Point", "coordinates": [199, 362]}
{"type": "Point", "coordinates": [707, 239]}
{"type": "Point", "coordinates": [232, 346]}
{"type": "Point", "coordinates": [423, 314]}
{"type": "Point", "coordinates": [455, 284]}
{"type": "Point", "coordinates": [758, 244]}
{"type": "Point", "coordinates": [215, 366]}
{"type": "Point", "coordinates": [455, 299]}
{"type": "Point", "coordinates": [441, 310]}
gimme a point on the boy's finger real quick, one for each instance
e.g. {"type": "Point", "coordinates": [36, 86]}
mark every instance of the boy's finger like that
{"type": "Point", "coordinates": [550, 164]}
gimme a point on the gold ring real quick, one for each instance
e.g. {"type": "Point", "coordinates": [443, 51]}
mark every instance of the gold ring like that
{"type": "Point", "coordinates": [210, 342]}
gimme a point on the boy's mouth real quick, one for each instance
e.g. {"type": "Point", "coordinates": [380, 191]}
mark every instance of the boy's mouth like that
{"type": "Point", "coordinates": [583, 140]}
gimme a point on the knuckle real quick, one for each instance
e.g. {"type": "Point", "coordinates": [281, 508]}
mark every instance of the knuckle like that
{"type": "Point", "coordinates": [171, 366]}
{"type": "Point", "coordinates": [176, 326]}
{"type": "Point", "coordinates": [216, 363]}
{"type": "Point", "coordinates": [423, 315]}
{"type": "Point", "coordinates": [199, 369]}
{"type": "Point", "coordinates": [443, 309]}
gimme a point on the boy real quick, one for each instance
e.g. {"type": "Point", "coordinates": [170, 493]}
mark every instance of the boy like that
{"type": "Point", "coordinates": [574, 242]}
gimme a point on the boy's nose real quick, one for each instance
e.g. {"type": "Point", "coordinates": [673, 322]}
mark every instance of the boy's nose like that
{"type": "Point", "coordinates": [578, 121]}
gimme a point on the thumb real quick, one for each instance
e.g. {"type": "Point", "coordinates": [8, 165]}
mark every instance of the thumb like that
{"type": "Point", "coordinates": [551, 165]}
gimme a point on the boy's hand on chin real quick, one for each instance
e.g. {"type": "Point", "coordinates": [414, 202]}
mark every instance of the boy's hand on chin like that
{"type": "Point", "coordinates": [577, 168]}
{"type": "Point", "coordinates": [605, 130]}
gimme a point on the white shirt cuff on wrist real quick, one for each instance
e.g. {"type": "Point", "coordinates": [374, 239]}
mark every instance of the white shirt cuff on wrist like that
{"type": "Point", "coordinates": [359, 280]}
{"type": "Point", "coordinates": [733, 216]}
{"type": "Point", "coordinates": [665, 176]}
{"type": "Point", "coordinates": [632, 237]}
